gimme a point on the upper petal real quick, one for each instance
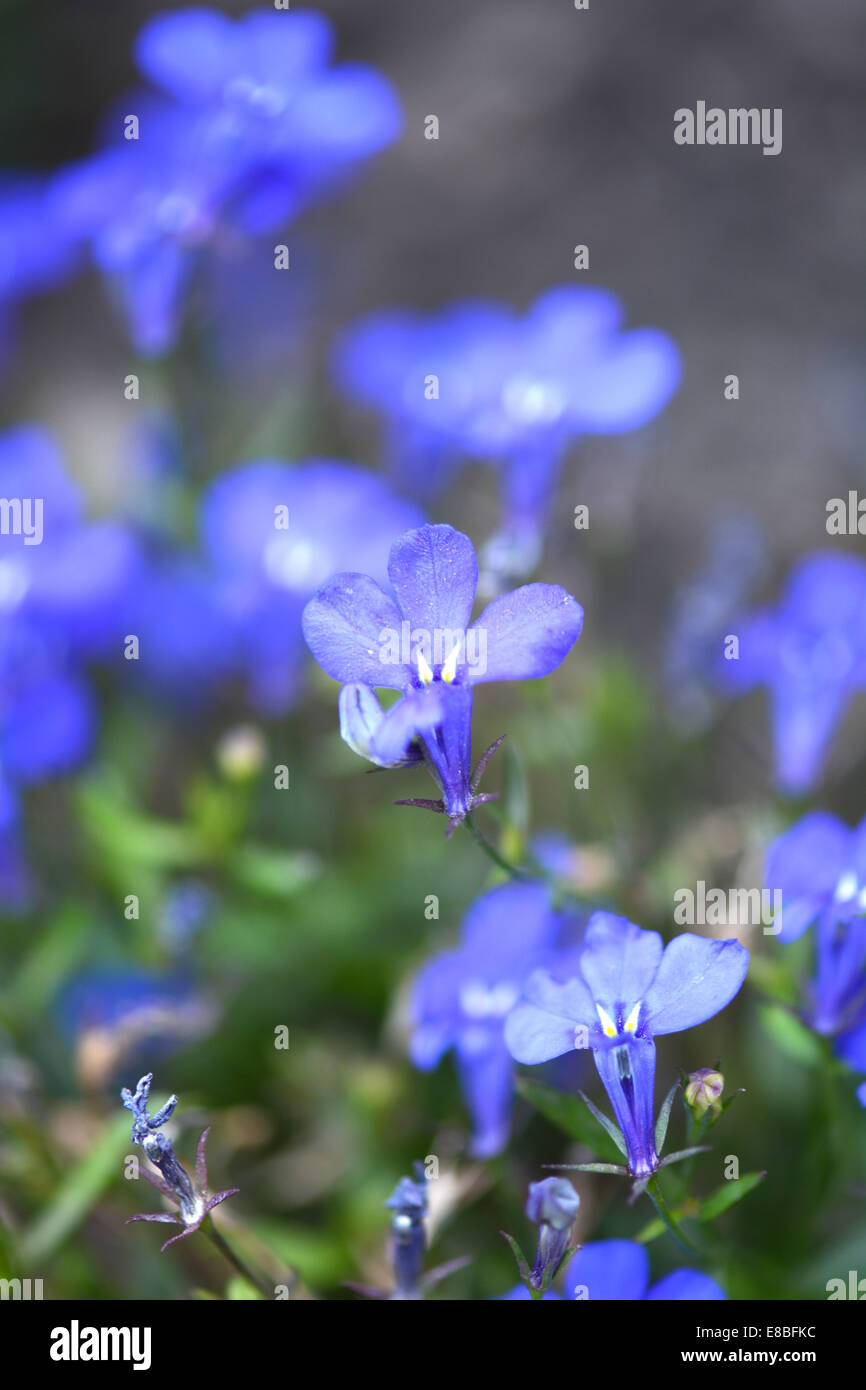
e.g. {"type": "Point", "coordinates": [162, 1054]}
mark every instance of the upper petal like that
{"type": "Point", "coordinates": [697, 977]}
{"type": "Point", "coordinates": [434, 575]}
{"type": "Point", "coordinates": [609, 1269]}
{"type": "Point", "coordinates": [619, 960]}
{"type": "Point", "coordinates": [188, 53]}
{"type": "Point", "coordinates": [525, 634]}
{"type": "Point", "coordinates": [343, 626]}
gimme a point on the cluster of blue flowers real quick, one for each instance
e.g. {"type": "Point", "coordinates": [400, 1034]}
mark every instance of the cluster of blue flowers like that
{"type": "Point", "coordinates": [241, 126]}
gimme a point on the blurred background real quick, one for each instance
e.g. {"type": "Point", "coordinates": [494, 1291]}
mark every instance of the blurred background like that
{"type": "Point", "coordinates": [305, 908]}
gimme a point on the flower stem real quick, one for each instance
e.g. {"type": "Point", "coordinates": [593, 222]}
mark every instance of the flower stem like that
{"type": "Point", "coordinates": [654, 1192]}
{"type": "Point", "coordinates": [235, 1260]}
{"type": "Point", "coordinates": [492, 853]}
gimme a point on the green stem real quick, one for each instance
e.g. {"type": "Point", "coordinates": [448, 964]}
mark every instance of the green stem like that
{"type": "Point", "coordinates": [654, 1192]}
{"type": "Point", "coordinates": [235, 1260]}
{"type": "Point", "coordinates": [493, 853]}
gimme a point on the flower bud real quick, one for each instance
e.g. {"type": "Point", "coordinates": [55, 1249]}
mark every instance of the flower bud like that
{"type": "Point", "coordinates": [704, 1090]}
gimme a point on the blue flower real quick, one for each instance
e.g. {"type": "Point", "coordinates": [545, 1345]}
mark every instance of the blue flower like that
{"type": "Point", "coordinates": [420, 643]}
{"type": "Point", "coordinates": [251, 125]}
{"type": "Point", "coordinates": [819, 868]}
{"type": "Point", "coordinates": [272, 533]}
{"type": "Point", "coordinates": [552, 1205]}
{"type": "Point", "coordinates": [408, 1207]}
{"type": "Point", "coordinates": [810, 653]}
{"type": "Point", "coordinates": [619, 1269]}
{"type": "Point", "coordinates": [265, 84]}
{"type": "Point", "coordinates": [174, 1182]}
{"type": "Point", "coordinates": [114, 1015]}
{"type": "Point", "coordinates": [629, 989]}
{"type": "Point", "coordinates": [460, 999]}
{"type": "Point", "coordinates": [477, 379]}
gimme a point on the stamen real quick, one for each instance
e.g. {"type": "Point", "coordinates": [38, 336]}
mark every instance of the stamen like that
{"type": "Point", "coordinates": [630, 1025]}
{"type": "Point", "coordinates": [607, 1023]}
{"type": "Point", "coordinates": [449, 670]}
{"type": "Point", "coordinates": [423, 667]}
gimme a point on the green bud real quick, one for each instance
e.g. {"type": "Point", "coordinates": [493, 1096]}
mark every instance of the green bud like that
{"type": "Point", "coordinates": [704, 1090]}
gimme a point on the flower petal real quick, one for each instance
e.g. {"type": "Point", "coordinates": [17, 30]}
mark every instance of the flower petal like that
{"type": "Point", "coordinates": [434, 575]}
{"type": "Point", "coordinates": [804, 865]}
{"type": "Point", "coordinates": [343, 626]}
{"type": "Point", "coordinates": [543, 1024]}
{"type": "Point", "coordinates": [609, 1269]}
{"type": "Point", "coordinates": [687, 1284]}
{"type": "Point", "coordinates": [419, 712]}
{"type": "Point", "coordinates": [527, 633]}
{"type": "Point", "coordinates": [619, 960]}
{"type": "Point", "coordinates": [697, 977]}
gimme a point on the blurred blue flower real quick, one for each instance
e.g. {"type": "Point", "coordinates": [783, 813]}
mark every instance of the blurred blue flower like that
{"type": "Point", "coordinates": [810, 653]}
{"type": "Point", "coordinates": [272, 533]}
{"type": "Point", "coordinates": [65, 585]}
{"type": "Point", "coordinates": [460, 999]}
{"type": "Point", "coordinates": [408, 1207]}
{"type": "Point", "coordinates": [629, 989]}
{"type": "Point", "coordinates": [113, 1016]}
{"type": "Point", "coordinates": [819, 867]}
{"type": "Point", "coordinates": [192, 1199]}
{"type": "Point", "coordinates": [735, 563]}
{"type": "Point", "coordinates": [251, 125]}
{"type": "Point", "coordinates": [619, 1269]}
{"type": "Point", "coordinates": [63, 579]}
{"type": "Point", "coordinates": [478, 380]}
{"type": "Point", "coordinates": [422, 645]}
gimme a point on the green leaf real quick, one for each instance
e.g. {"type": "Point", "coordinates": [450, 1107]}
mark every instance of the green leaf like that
{"type": "Point", "coordinates": [519, 1256]}
{"type": "Point", "coordinates": [664, 1118]}
{"type": "Point", "coordinates": [79, 1191]}
{"type": "Point", "coordinates": [275, 873]}
{"type": "Point", "coordinates": [240, 1290]}
{"type": "Point", "coordinates": [791, 1036]}
{"type": "Point", "coordinates": [568, 1114]}
{"type": "Point", "coordinates": [728, 1195]}
{"type": "Point", "coordinates": [603, 1120]}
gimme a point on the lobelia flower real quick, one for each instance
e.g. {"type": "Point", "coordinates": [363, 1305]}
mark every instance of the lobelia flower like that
{"type": "Point", "coordinates": [819, 867]}
{"type": "Point", "coordinates": [629, 989]}
{"type": "Point", "coordinates": [420, 643]}
{"type": "Point", "coordinates": [552, 1206]}
{"type": "Point", "coordinates": [619, 1269]}
{"type": "Point", "coordinates": [810, 653]}
{"type": "Point", "coordinates": [408, 1207]}
{"type": "Point", "coordinates": [460, 999]}
{"type": "Point", "coordinates": [478, 380]}
{"type": "Point", "coordinates": [113, 1016]}
{"type": "Point", "coordinates": [192, 1200]}
{"type": "Point", "coordinates": [64, 583]}
{"type": "Point", "coordinates": [272, 533]}
{"type": "Point", "coordinates": [251, 125]}
{"type": "Point", "coordinates": [735, 562]}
